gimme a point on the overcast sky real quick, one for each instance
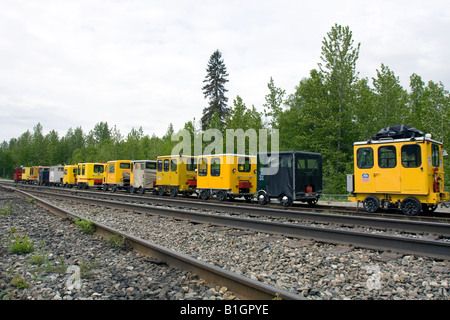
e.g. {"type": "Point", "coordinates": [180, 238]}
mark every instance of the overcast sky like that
{"type": "Point", "coordinates": [141, 63]}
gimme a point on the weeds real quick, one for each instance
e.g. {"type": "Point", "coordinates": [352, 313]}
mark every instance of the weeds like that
{"type": "Point", "coordinates": [18, 244]}
{"type": "Point", "coordinates": [86, 226]}
{"type": "Point", "coordinates": [116, 240]}
{"type": "Point", "coordinates": [8, 210]}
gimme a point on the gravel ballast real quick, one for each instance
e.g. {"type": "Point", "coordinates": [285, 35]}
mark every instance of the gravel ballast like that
{"type": "Point", "coordinates": [313, 270]}
{"type": "Point", "coordinates": [63, 254]}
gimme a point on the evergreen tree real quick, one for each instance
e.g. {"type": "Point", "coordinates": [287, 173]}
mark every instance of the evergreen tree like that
{"type": "Point", "coordinates": [214, 89]}
{"type": "Point", "coordinates": [391, 98]}
{"type": "Point", "coordinates": [339, 69]}
{"type": "Point", "coordinates": [274, 100]}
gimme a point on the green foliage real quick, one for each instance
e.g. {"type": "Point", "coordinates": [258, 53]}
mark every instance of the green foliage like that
{"type": "Point", "coordinates": [214, 89]}
{"type": "Point", "coordinates": [86, 226]}
{"type": "Point", "coordinates": [116, 240]}
{"type": "Point", "coordinates": [18, 244]}
{"type": "Point", "coordinates": [8, 210]}
{"type": "Point", "coordinates": [331, 108]}
{"type": "Point", "coordinates": [19, 282]}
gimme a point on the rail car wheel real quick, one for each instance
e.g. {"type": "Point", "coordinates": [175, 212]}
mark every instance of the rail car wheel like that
{"type": "Point", "coordinates": [160, 191]}
{"type": "Point", "coordinates": [411, 206]}
{"type": "Point", "coordinates": [312, 202]}
{"type": "Point", "coordinates": [221, 195]}
{"type": "Point", "coordinates": [371, 204]}
{"type": "Point", "coordinates": [141, 190]}
{"type": "Point", "coordinates": [204, 194]}
{"type": "Point", "coordinates": [263, 198]}
{"type": "Point", "coordinates": [285, 200]}
{"type": "Point", "coordinates": [173, 192]}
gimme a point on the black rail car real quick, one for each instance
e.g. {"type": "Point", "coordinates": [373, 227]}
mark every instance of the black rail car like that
{"type": "Point", "coordinates": [290, 176]}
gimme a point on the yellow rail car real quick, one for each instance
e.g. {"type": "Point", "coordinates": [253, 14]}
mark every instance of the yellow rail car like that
{"type": "Point", "coordinates": [226, 175]}
{"type": "Point", "coordinates": [25, 174]}
{"type": "Point", "coordinates": [176, 174]}
{"type": "Point", "coordinates": [90, 174]}
{"type": "Point", "coordinates": [117, 175]}
{"type": "Point", "coordinates": [405, 173]}
{"type": "Point", "coordinates": [70, 176]}
{"type": "Point", "coordinates": [32, 175]}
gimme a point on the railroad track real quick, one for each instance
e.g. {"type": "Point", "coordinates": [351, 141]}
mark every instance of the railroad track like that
{"type": "Point", "coordinates": [243, 287]}
{"type": "Point", "coordinates": [439, 249]}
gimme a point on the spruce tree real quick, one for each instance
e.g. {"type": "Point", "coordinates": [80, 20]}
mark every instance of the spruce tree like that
{"type": "Point", "coordinates": [214, 89]}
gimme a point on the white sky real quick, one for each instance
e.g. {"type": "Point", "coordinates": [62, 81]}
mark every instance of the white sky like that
{"type": "Point", "coordinates": [133, 63]}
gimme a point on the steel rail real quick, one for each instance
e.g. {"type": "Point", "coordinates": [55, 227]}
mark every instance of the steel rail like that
{"type": "Point", "coordinates": [243, 287]}
{"type": "Point", "coordinates": [405, 245]}
{"type": "Point", "coordinates": [410, 226]}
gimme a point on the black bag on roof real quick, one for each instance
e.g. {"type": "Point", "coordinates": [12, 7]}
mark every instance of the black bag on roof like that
{"type": "Point", "coordinates": [398, 132]}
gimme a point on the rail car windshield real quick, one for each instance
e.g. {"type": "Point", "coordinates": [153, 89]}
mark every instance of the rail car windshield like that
{"type": "Point", "coordinates": [150, 165]}
{"type": "Point", "coordinates": [124, 165]}
{"type": "Point", "coordinates": [98, 168]}
{"type": "Point", "coordinates": [244, 164]}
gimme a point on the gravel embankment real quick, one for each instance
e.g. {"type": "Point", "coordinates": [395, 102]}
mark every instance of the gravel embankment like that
{"type": "Point", "coordinates": [310, 269]}
{"type": "Point", "coordinates": [105, 272]}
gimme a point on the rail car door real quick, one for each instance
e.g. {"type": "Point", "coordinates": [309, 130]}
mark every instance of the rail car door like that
{"type": "Point", "coordinates": [387, 175]}
{"type": "Point", "coordinates": [412, 170]}
{"type": "Point", "coordinates": [110, 172]}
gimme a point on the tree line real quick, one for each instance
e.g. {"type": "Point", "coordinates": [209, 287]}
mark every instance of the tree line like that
{"type": "Point", "coordinates": [328, 111]}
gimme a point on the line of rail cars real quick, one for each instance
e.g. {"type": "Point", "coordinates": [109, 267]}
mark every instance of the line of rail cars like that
{"type": "Point", "coordinates": [400, 168]}
{"type": "Point", "coordinates": [223, 176]}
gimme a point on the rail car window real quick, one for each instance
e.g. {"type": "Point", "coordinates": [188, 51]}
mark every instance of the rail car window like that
{"type": "Point", "coordinates": [215, 167]}
{"type": "Point", "coordinates": [387, 157]}
{"type": "Point", "coordinates": [166, 165]}
{"type": "Point", "coordinates": [411, 156]}
{"type": "Point", "coordinates": [308, 166]}
{"type": "Point", "coordinates": [435, 155]}
{"type": "Point", "coordinates": [285, 161]}
{"type": "Point", "coordinates": [150, 165]}
{"type": "Point", "coordinates": [124, 165]}
{"type": "Point", "coordinates": [83, 170]}
{"type": "Point", "coordinates": [173, 165]}
{"type": "Point", "coordinates": [244, 164]}
{"type": "Point", "coordinates": [364, 158]}
{"type": "Point", "coordinates": [160, 165]}
{"type": "Point", "coordinates": [203, 167]}
{"type": "Point", "coordinates": [111, 168]}
{"type": "Point", "coordinates": [98, 168]}
{"type": "Point", "coordinates": [191, 164]}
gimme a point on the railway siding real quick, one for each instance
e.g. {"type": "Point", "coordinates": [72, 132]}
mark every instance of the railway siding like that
{"type": "Point", "coordinates": [312, 269]}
